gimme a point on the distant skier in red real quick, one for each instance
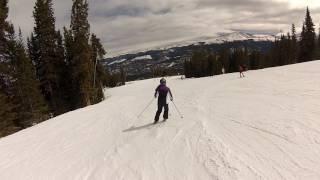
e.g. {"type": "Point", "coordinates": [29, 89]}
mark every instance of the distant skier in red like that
{"type": "Point", "coordinates": [162, 92]}
{"type": "Point", "coordinates": [242, 68]}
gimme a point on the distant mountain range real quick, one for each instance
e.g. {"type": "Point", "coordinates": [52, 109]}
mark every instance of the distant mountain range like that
{"type": "Point", "coordinates": [172, 55]}
{"type": "Point", "coordinates": [227, 37]}
{"type": "Point", "coordinates": [218, 38]}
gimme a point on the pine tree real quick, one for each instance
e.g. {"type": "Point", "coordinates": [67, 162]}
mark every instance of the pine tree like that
{"type": "Point", "coordinates": [294, 45]}
{"type": "Point", "coordinates": [199, 64]}
{"type": "Point", "coordinates": [123, 76]}
{"type": "Point", "coordinates": [33, 50]}
{"type": "Point", "coordinates": [3, 29]}
{"type": "Point", "coordinates": [63, 75]}
{"type": "Point", "coordinates": [82, 57]}
{"type": "Point", "coordinates": [186, 70]}
{"type": "Point", "coordinates": [31, 107]}
{"type": "Point", "coordinates": [70, 88]}
{"type": "Point", "coordinates": [68, 43]}
{"type": "Point", "coordinates": [3, 25]}
{"type": "Point", "coordinates": [100, 74]}
{"type": "Point", "coordinates": [308, 37]}
{"type": "Point", "coordinates": [255, 60]}
{"type": "Point", "coordinates": [211, 65]}
{"type": "Point", "coordinates": [317, 50]}
{"type": "Point", "coordinates": [225, 59]}
{"type": "Point", "coordinates": [319, 37]}
{"type": "Point", "coordinates": [81, 62]}
{"type": "Point", "coordinates": [7, 115]}
{"type": "Point", "coordinates": [46, 53]}
{"type": "Point", "coordinates": [303, 51]}
{"type": "Point", "coordinates": [7, 106]}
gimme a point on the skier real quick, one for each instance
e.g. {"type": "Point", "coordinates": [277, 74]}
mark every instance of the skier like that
{"type": "Point", "coordinates": [162, 92]}
{"type": "Point", "coordinates": [241, 69]}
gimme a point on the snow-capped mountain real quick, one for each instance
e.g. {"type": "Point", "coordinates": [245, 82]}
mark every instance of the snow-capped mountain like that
{"type": "Point", "coordinates": [218, 38]}
{"type": "Point", "coordinates": [234, 36]}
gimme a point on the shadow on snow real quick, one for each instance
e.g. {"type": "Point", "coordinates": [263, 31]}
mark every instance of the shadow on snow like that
{"type": "Point", "coordinates": [146, 126]}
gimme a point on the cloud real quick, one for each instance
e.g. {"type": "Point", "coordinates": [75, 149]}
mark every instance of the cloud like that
{"type": "Point", "coordinates": [138, 24]}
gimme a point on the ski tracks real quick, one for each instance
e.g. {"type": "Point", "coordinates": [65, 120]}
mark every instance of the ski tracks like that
{"type": "Point", "coordinates": [206, 150]}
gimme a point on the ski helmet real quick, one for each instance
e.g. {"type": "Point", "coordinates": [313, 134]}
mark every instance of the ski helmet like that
{"type": "Point", "coordinates": [163, 81]}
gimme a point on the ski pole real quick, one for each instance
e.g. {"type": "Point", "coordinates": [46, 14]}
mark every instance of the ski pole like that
{"type": "Point", "coordinates": [181, 116]}
{"type": "Point", "coordinates": [149, 104]}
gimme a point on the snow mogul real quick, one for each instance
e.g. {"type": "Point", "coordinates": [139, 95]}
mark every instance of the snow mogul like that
{"type": "Point", "coordinates": [162, 91]}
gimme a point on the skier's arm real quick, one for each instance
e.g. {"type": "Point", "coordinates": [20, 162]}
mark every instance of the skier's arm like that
{"type": "Point", "coordinates": [155, 94]}
{"type": "Point", "coordinates": [171, 97]}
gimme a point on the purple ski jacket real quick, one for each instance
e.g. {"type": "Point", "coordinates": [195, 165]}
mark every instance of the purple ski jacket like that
{"type": "Point", "coordinates": [163, 91]}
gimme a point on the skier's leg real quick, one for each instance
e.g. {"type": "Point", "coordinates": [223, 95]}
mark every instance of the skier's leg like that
{"type": "Point", "coordinates": [166, 112]}
{"type": "Point", "coordinates": [241, 74]}
{"type": "Point", "coordinates": [156, 118]}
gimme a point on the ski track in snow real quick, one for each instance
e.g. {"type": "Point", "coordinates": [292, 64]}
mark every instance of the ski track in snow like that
{"type": "Point", "coordinates": [264, 126]}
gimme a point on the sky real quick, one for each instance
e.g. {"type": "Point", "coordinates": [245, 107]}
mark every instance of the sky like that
{"type": "Point", "coordinates": [128, 25]}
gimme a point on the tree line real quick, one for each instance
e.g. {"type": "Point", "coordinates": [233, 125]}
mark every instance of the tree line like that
{"type": "Point", "coordinates": [286, 49]}
{"type": "Point", "coordinates": [55, 72]}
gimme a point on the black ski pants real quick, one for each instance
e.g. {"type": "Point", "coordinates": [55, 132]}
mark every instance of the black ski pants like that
{"type": "Point", "coordinates": [161, 105]}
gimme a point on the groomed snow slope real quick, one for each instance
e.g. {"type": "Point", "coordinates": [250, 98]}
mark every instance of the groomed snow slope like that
{"type": "Point", "coordinates": [265, 126]}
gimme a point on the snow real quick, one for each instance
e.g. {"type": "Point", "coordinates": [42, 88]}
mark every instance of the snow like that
{"type": "Point", "coordinates": [146, 57]}
{"type": "Point", "coordinates": [237, 36]}
{"type": "Point", "coordinates": [263, 37]}
{"type": "Point", "coordinates": [117, 62]}
{"type": "Point", "coordinates": [171, 65]}
{"type": "Point", "coordinates": [264, 126]}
